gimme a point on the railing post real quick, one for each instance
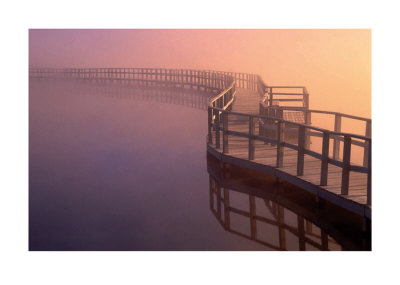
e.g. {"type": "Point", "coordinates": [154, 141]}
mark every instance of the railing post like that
{"type": "Point", "coordinates": [300, 151]}
{"type": "Point", "coordinates": [366, 147]}
{"type": "Point", "coordinates": [225, 132]}
{"type": "Point", "coordinates": [270, 96]}
{"type": "Point", "coordinates": [217, 134]}
{"type": "Point", "coordinates": [325, 159]}
{"type": "Point", "coordinates": [251, 140]}
{"type": "Point", "coordinates": [210, 111]}
{"type": "Point", "coordinates": [307, 121]}
{"type": "Point", "coordinates": [369, 198]}
{"type": "Point", "coordinates": [336, 142]}
{"type": "Point", "coordinates": [346, 165]}
{"type": "Point", "coordinates": [280, 139]}
{"type": "Point", "coordinates": [305, 98]}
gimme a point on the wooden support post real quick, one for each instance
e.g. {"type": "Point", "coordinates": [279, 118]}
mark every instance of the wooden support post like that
{"type": "Point", "coordinates": [227, 217]}
{"type": "Point", "coordinates": [325, 159]}
{"type": "Point", "coordinates": [253, 224]}
{"type": "Point", "coordinates": [251, 140]}
{"type": "Point", "coordinates": [300, 227]}
{"type": "Point", "coordinates": [217, 134]}
{"type": "Point", "coordinates": [300, 151]}
{"type": "Point", "coordinates": [225, 144]}
{"type": "Point", "coordinates": [210, 111]}
{"type": "Point", "coordinates": [307, 121]}
{"type": "Point", "coordinates": [366, 146]}
{"type": "Point", "coordinates": [280, 140]}
{"type": "Point", "coordinates": [336, 142]}
{"type": "Point", "coordinates": [346, 165]}
{"type": "Point", "coordinates": [369, 197]}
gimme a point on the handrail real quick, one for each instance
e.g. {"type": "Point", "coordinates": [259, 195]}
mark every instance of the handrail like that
{"type": "Point", "coordinates": [275, 119]}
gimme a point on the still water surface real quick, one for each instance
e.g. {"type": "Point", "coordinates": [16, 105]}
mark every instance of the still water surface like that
{"type": "Point", "coordinates": [121, 170]}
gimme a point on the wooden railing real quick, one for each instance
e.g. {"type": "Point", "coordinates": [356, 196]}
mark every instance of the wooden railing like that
{"type": "Point", "coordinates": [221, 126]}
{"type": "Point", "coordinates": [283, 95]}
{"type": "Point", "coordinates": [210, 81]}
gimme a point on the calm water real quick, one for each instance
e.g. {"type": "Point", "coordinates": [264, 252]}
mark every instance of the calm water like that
{"type": "Point", "coordinates": [121, 169]}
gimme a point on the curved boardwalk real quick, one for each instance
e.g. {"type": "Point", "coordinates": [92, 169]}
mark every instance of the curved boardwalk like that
{"type": "Point", "coordinates": [265, 128]}
{"type": "Point", "coordinates": [265, 158]}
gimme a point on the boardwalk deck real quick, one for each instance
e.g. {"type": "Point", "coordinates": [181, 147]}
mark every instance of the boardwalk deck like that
{"type": "Point", "coordinates": [265, 159]}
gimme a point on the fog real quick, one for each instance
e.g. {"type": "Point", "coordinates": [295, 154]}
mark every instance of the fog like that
{"type": "Point", "coordinates": [334, 65]}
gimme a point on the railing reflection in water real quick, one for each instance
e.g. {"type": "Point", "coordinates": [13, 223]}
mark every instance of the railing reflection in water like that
{"type": "Point", "coordinates": [272, 216]}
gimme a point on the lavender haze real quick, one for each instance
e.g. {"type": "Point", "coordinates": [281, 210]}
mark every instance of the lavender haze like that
{"type": "Point", "coordinates": [335, 65]}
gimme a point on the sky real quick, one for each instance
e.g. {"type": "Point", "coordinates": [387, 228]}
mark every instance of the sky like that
{"type": "Point", "coordinates": [334, 65]}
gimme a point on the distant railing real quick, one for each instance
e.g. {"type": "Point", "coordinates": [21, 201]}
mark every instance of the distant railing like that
{"type": "Point", "coordinates": [209, 81]}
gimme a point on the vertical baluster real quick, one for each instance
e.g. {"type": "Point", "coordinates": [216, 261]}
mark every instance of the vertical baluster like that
{"type": "Point", "coordinates": [225, 144]}
{"type": "Point", "coordinates": [325, 159]}
{"type": "Point", "coordinates": [336, 142]}
{"type": "Point", "coordinates": [280, 148]}
{"type": "Point", "coordinates": [369, 198]}
{"type": "Point", "coordinates": [300, 151]}
{"type": "Point", "coordinates": [217, 134]}
{"type": "Point", "coordinates": [346, 165]}
{"type": "Point", "coordinates": [366, 147]}
{"type": "Point", "coordinates": [251, 140]}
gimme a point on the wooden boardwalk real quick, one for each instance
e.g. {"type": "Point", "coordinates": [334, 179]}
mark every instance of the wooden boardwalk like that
{"type": "Point", "coordinates": [262, 127]}
{"type": "Point", "coordinates": [264, 158]}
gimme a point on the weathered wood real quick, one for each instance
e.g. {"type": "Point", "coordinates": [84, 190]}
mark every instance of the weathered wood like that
{"type": "Point", "coordinates": [300, 151]}
{"type": "Point", "coordinates": [280, 147]}
{"type": "Point", "coordinates": [366, 143]}
{"type": "Point", "coordinates": [251, 140]}
{"type": "Point", "coordinates": [217, 130]}
{"type": "Point", "coordinates": [325, 159]}
{"type": "Point", "coordinates": [346, 165]}
{"type": "Point", "coordinates": [369, 194]}
{"type": "Point", "coordinates": [225, 142]}
{"type": "Point", "coordinates": [210, 111]}
{"type": "Point", "coordinates": [336, 142]}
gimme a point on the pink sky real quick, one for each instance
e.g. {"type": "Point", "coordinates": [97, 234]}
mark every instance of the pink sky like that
{"type": "Point", "coordinates": [335, 65]}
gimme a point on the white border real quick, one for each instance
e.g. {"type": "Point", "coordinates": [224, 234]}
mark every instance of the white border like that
{"type": "Point", "coordinates": [18, 266]}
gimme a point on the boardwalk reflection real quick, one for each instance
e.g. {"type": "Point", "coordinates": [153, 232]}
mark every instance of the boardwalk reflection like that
{"type": "Point", "coordinates": [272, 218]}
{"type": "Point", "coordinates": [191, 98]}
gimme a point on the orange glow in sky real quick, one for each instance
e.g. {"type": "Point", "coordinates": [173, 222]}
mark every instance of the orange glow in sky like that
{"type": "Point", "coordinates": [334, 65]}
